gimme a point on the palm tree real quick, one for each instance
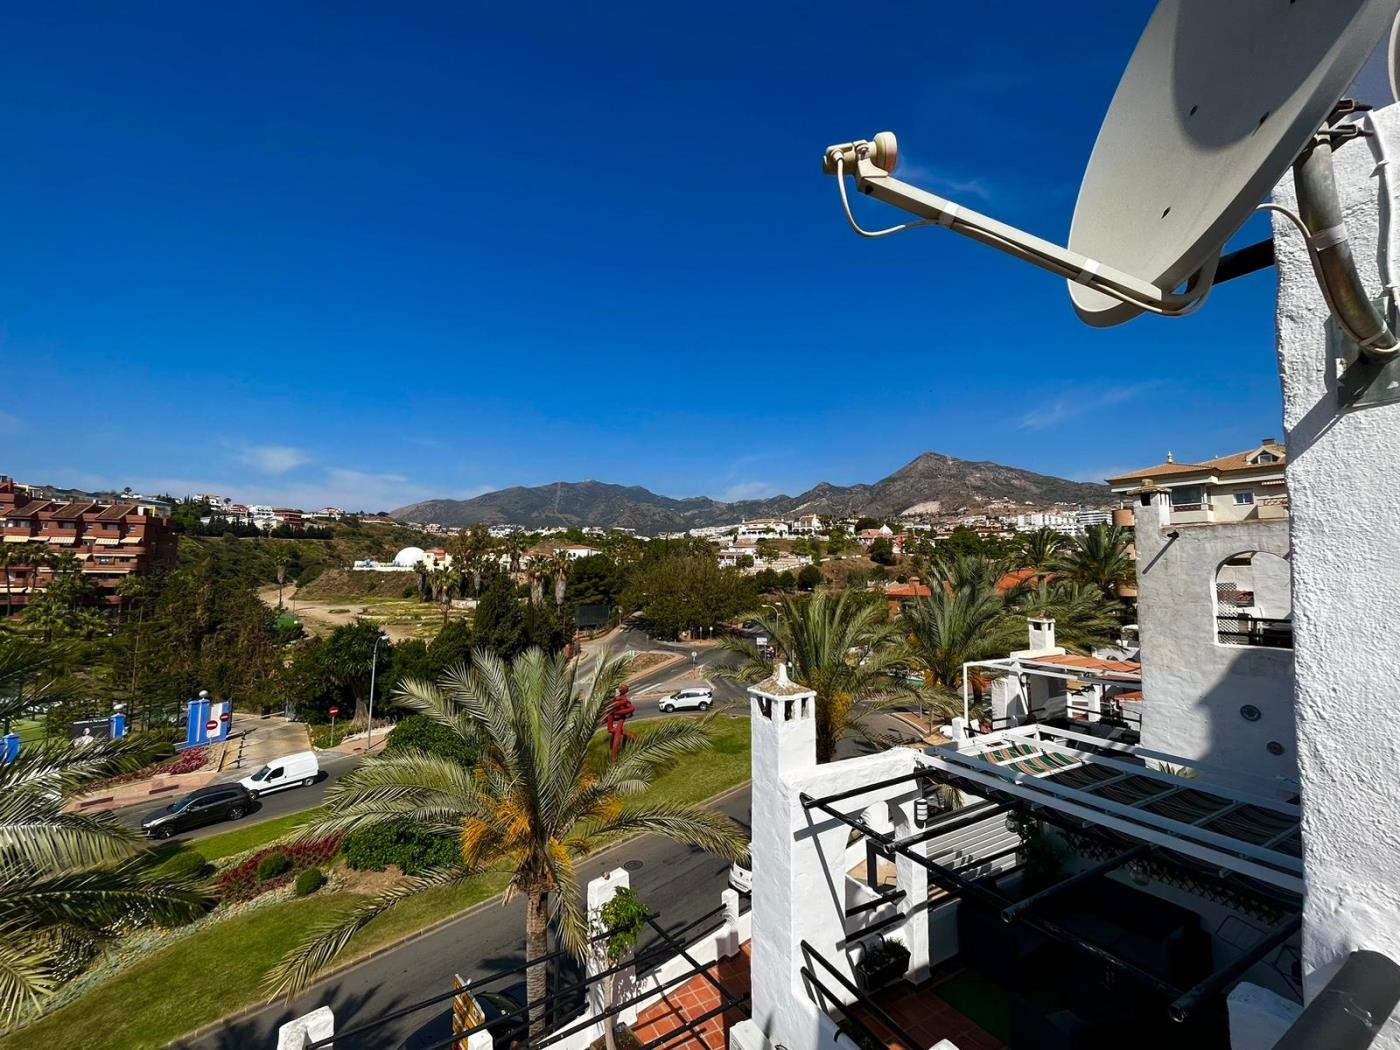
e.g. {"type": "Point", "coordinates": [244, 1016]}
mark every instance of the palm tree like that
{"type": "Point", "coordinates": [557, 566]}
{"type": "Point", "coordinates": [1041, 549]}
{"type": "Point", "coordinates": [1083, 619]}
{"type": "Point", "coordinates": [515, 546]}
{"type": "Point", "coordinates": [1100, 558]}
{"type": "Point", "coordinates": [65, 875]}
{"type": "Point", "coordinates": [839, 646]}
{"type": "Point", "coordinates": [533, 804]}
{"type": "Point", "coordinates": [441, 580]}
{"type": "Point", "coordinates": [953, 625]}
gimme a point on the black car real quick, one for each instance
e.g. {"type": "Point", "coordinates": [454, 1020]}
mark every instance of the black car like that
{"type": "Point", "coordinates": [208, 805]}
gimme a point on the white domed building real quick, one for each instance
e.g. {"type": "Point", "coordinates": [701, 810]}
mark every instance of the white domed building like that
{"type": "Point", "coordinates": [409, 557]}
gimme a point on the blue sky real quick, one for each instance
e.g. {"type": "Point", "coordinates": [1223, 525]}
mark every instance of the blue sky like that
{"type": "Point", "coordinates": [366, 254]}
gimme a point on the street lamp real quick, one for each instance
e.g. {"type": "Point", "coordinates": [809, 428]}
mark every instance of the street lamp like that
{"type": "Point", "coordinates": [373, 664]}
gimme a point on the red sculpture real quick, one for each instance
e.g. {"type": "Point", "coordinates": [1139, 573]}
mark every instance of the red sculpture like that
{"type": "Point", "coordinates": [619, 710]}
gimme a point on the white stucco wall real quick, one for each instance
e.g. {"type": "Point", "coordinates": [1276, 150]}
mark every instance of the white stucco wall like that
{"type": "Point", "coordinates": [1194, 686]}
{"type": "Point", "coordinates": [1342, 467]}
{"type": "Point", "coordinates": [799, 864]}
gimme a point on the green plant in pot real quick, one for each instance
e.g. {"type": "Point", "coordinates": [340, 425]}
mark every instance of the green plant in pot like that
{"type": "Point", "coordinates": [883, 961]}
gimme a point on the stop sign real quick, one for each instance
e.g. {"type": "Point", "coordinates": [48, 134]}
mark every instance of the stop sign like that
{"type": "Point", "coordinates": [335, 711]}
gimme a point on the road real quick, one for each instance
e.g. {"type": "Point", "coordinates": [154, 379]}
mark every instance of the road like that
{"type": "Point", "coordinates": [278, 804]}
{"type": "Point", "coordinates": [681, 882]}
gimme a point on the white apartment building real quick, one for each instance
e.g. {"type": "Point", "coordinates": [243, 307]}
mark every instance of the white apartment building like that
{"type": "Point", "coordinates": [1245, 486]}
{"type": "Point", "coordinates": [774, 528]}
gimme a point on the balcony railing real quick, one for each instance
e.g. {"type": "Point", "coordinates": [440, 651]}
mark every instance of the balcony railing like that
{"type": "Point", "coordinates": [1254, 630]}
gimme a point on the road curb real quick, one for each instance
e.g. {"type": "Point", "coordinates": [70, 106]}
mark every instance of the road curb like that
{"type": "Point", "coordinates": [390, 946]}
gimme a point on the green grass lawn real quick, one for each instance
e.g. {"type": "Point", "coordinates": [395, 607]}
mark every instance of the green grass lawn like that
{"type": "Point", "coordinates": [150, 1004]}
{"type": "Point", "coordinates": [30, 730]}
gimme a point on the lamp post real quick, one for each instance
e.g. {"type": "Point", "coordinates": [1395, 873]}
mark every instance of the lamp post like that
{"type": "Point", "coordinates": [373, 665]}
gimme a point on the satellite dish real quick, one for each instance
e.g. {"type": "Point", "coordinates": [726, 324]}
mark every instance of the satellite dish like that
{"type": "Point", "coordinates": [1393, 54]}
{"type": "Point", "coordinates": [1218, 100]}
{"type": "Point", "coordinates": [1215, 104]}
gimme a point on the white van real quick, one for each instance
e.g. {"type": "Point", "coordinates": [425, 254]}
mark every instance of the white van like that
{"type": "Point", "coordinates": [289, 771]}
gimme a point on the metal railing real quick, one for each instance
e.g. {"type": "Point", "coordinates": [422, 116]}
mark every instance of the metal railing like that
{"type": "Point", "coordinates": [1243, 629]}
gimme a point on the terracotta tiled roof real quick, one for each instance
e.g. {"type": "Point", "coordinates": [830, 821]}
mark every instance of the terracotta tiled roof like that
{"type": "Point", "coordinates": [907, 590]}
{"type": "Point", "coordinates": [1238, 461]}
{"type": "Point", "coordinates": [1074, 662]}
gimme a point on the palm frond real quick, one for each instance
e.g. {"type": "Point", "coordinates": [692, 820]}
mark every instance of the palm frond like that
{"type": "Point", "coordinates": [327, 939]}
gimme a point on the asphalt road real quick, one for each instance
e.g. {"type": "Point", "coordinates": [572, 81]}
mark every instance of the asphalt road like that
{"type": "Point", "coordinates": [679, 882]}
{"type": "Point", "coordinates": [277, 804]}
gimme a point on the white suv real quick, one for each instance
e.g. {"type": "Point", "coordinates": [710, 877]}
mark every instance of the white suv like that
{"type": "Point", "coordinates": [698, 698]}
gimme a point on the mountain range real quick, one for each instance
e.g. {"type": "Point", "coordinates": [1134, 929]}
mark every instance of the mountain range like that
{"type": "Point", "coordinates": [930, 483]}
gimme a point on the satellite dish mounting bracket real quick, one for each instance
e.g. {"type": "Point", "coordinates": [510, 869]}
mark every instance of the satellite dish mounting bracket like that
{"type": "Point", "coordinates": [871, 163]}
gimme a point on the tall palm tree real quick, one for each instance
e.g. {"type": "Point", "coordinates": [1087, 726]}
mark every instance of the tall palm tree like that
{"type": "Point", "coordinates": [64, 875]}
{"type": "Point", "coordinates": [514, 546]}
{"type": "Point", "coordinates": [533, 804]}
{"type": "Point", "coordinates": [441, 580]}
{"type": "Point", "coordinates": [841, 647]}
{"type": "Point", "coordinates": [953, 625]}
{"type": "Point", "coordinates": [1041, 549]}
{"type": "Point", "coordinates": [557, 567]}
{"type": "Point", "coordinates": [1100, 558]}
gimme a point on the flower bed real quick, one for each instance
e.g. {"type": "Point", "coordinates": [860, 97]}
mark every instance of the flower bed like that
{"type": "Point", "coordinates": [240, 882]}
{"type": "Point", "coordinates": [187, 761]}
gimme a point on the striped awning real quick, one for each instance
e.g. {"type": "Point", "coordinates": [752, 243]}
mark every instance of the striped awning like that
{"type": "Point", "coordinates": [1024, 758]}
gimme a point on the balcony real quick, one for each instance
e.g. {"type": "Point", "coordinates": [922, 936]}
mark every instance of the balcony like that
{"type": "Point", "coordinates": [1242, 629]}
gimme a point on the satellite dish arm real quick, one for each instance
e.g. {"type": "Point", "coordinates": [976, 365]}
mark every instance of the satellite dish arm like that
{"type": "Point", "coordinates": [860, 160]}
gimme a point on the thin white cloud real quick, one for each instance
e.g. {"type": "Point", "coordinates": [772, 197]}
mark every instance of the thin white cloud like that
{"type": "Point", "coordinates": [749, 490]}
{"type": "Point", "coordinates": [1051, 413]}
{"type": "Point", "coordinates": [273, 459]}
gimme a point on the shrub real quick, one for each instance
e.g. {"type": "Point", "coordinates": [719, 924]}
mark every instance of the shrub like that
{"type": "Point", "coordinates": [421, 733]}
{"type": "Point", "coordinates": [186, 863]}
{"type": "Point", "coordinates": [272, 865]}
{"type": "Point", "coordinates": [410, 848]}
{"type": "Point", "coordinates": [309, 881]}
{"type": "Point", "coordinates": [186, 761]}
{"type": "Point", "coordinates": [241, 882]}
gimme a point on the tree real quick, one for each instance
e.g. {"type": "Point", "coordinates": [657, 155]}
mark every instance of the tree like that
{"type": "Point", "coordinates": [809, 577]}
{"type": "Point", "coordinates": [441, 581]}
{"type": "Point", "coordinates": [67, 878]}
{"type": "Point", "coordinates": [839, 646]}
{"type": "Point", "coordinates": [471, 551]}
{"type": "Point", "coordinates": [451, 646]}
{"type": "Point", "coordinates": [619, 924]}
{"type": "Point", "coordinates": [955, 623]}
{"type": "Point", "coordinates": [1041, 549]}
{"type": "Point", "coordinates": [1083, 617]}
{"type": "Point", "coordinates": [556, 567]}
{"type": "Point", "coordinates": [348, 658]}
{"type": "Point", "coordinates": [418, 733]}
{"type": "Point", "coordinates": [536, 803]}
{"type": "Point", "coordinates": [499, 624]}
{"type": "Point", "coordinates": [685, 592]}
{"type": "Point", "coordinates": [864, 523]}
{"type": "Point", "coordinates": [1100, 559]}
{"type": "Point", "coordinates": [882, 551]}
{"type": "Point", "coordinates": [767, 550]}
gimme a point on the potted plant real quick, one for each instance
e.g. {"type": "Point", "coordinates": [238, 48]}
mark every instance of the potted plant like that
{"type": "Point", "coordinates": [884, 960]}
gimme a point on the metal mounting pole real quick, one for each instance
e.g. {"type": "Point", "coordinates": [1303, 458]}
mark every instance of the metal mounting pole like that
{"type": "Point", "coordinates": [1346, 297]}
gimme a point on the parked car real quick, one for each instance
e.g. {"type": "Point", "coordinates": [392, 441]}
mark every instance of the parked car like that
{"type": "Point", "coordinates": [741, 878]}
{"type": "Point", "coordinates": [208, 805]}
{"type": "Point", "coordinates": [300, 768]}
{"type": "Point", "coordinates": [698, 698]}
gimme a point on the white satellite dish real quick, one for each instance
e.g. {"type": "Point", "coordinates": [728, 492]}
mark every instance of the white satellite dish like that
{"type": "Point", "coordinates": [1218, 99]}
{"type": "Point", "coordinates": [1216, 102]}
{"type": "Point", "coordinates": [1393, 54]}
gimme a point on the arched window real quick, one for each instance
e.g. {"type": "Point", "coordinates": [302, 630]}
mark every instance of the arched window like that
{"type": "Point", "coordinates": [1254, 601]}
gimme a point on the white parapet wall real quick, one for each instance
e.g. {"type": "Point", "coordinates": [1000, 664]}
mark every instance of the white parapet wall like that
{"type": "Point", "coordinates": [1342, 470]}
